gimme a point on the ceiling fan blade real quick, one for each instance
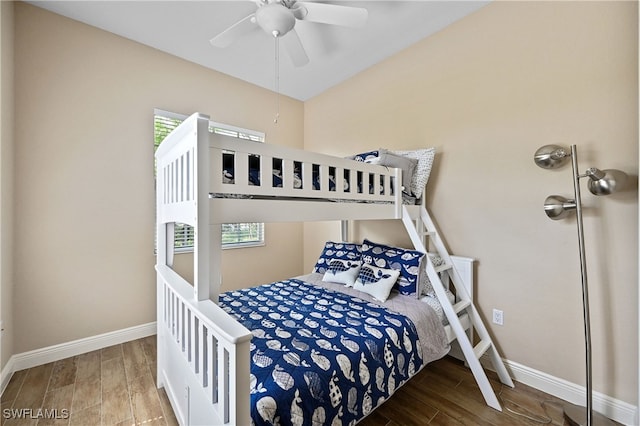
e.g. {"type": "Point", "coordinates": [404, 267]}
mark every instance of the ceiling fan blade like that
{"type": "Point", "coordinates": [294, 48]}
{"type": "Point", "coordinates": [235, 31]}
{"type": "Point", "coordinates": [326, 13]}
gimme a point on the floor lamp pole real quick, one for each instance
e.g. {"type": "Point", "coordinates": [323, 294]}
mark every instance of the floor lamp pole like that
{"type": "Point", "coordinates": [585, 290]}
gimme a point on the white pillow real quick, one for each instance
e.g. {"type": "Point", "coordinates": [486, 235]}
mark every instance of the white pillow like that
{"type": "Point", "coordinates": [423, 169]}
{"type": "Point", "coordinates": [375, 281]}
{"type": "Point", "coordinates": [342, 271]}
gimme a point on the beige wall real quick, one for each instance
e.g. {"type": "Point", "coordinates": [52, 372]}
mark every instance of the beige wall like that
{"type": "Point", "coordinates": [84, 190]}
{"type": "Point", "coordinates": [487, 92]}
{"type": "Point", "coordinates": [6, 180]}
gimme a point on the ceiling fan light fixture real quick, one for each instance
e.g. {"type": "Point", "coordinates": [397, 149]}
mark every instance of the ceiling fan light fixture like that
{"type": "Point", "coordinates": [275, 19]}
{"type": "Point", "coordinates": [278, 18]}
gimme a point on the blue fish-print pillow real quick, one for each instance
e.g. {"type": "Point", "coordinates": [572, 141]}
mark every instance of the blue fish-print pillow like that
{"type": "Point", "coordinates": [341, 251]}
{"type": "Point", "coordinates": [403, 260]}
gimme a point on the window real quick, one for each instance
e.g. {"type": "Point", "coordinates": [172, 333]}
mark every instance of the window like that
{"type": "Point", "coordinates": [234, 235]}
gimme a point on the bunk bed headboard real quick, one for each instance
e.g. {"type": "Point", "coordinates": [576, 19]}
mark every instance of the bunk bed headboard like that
{"type": "Point", "coordinates": [182, 165]}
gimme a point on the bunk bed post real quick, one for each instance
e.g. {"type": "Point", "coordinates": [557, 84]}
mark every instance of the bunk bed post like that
{"type": "Point", "coordinates": [168, 244]}
{"type": "Point", "coordinates": [161, 258]}
{"type": "Point", "coordinates": [215, 259]}
{"type": "Point", "coordinates": [206, 256]}
{"type": "Point", "coordinates": [397, 193]}
{"type": "Point", "coordinates": [344, 230]}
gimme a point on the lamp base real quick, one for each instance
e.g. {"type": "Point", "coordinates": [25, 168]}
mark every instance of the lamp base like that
{"type": "Point", "coordinates": [577, 416]}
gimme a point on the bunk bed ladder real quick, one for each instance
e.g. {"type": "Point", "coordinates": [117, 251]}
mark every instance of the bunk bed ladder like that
{"type": "Point", "coordinates": [423, 234]}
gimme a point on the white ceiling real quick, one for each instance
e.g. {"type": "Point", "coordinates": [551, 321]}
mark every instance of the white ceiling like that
{"type": "Point", "coordinates": [184, 28]}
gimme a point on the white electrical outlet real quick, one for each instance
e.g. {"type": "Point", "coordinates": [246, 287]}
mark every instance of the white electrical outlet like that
{"type": "Point", "coordinates": [498, 317]}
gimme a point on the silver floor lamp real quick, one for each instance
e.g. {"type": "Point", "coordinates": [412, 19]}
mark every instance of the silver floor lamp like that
{"type": "Point", "coordinates": [601, 182]}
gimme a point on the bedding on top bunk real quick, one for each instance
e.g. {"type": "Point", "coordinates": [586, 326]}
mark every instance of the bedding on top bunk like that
{"type": "Point", "coordinates": [415, 164]}
{"type": "Point", "coordinates": [228, 176]}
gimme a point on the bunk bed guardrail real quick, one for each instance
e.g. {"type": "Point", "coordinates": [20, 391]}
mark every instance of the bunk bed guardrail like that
{"type": "Point", "coordinates": [213, 345]}
{"type": "Point", "coordinates": [185, 158]}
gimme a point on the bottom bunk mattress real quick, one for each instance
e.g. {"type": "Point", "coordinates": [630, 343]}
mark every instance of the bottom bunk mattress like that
{"type": "Point", "coordinates": [323, 353]}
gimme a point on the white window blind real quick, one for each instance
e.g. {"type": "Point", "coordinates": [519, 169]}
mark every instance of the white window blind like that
{"type": "Point", "coordinates": [234, 235]}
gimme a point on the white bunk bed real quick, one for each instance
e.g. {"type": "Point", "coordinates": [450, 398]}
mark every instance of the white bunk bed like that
{"type": "Point", "coordinates": [204, 357]}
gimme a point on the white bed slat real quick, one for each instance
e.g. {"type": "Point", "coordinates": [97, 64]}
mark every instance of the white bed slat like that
{"type": "Point", "coordinates": [266, 169]}
{"type": "Point", "coordinates": [207, 374]}
{"type": "Point", "coordinates": [222, 394]}
{"type": "Point", "coordinates": [287, 175]}
{"type": "Point", "coordinates": [197, 347]}
{"type": "Point", "coordinates": [241, 176]}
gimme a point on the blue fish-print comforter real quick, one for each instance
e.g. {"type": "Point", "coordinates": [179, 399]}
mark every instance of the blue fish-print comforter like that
{"type": "Point", "coordinates": [321, 356]}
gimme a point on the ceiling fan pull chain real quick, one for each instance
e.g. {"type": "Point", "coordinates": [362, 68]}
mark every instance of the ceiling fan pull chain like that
{"type": "Point", "coordinates": [277, 78]}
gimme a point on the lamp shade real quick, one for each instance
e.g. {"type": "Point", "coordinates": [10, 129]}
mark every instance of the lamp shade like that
{"type": "Point", "coordinates": [557, 207]}
{"type": "Point", "coordinates": [605, 182]}
{"type": "Point", "coordinates": [551, 156]}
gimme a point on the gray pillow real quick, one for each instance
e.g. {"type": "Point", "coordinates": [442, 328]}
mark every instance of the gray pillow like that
{"type": "Point", "coordinates": [423, 170]}
{"type": "Point", "coordinates": [407, 164]}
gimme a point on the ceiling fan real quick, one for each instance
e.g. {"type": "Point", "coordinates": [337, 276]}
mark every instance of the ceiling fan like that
{"type": "Point", "coordinates": [278, 18]}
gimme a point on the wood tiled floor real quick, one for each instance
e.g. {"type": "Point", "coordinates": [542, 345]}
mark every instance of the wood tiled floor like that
{"type": "Point", "coordinates": [112, 386]}
{"type": "Point", "coordinates": [445, 393]}
{"type": "Point", "coordinates": [116, 386]}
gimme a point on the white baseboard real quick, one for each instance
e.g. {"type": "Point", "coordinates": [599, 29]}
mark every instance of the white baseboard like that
{"type": "Point", "coordinates": [612, 408]}
{"type": "Point", "coordinates": [76, 347]}
{"type": "Point", "coordinates": [615, 409]}
{"type": "Point", "coordinates": [6, 374]}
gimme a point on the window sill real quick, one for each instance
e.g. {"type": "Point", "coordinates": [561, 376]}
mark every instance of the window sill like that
{"type": "Point", "coordinates": [225, 247]}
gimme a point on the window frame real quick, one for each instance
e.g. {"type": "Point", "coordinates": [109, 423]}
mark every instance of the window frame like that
{"type": "Point", "coordinates": [184, 234]}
